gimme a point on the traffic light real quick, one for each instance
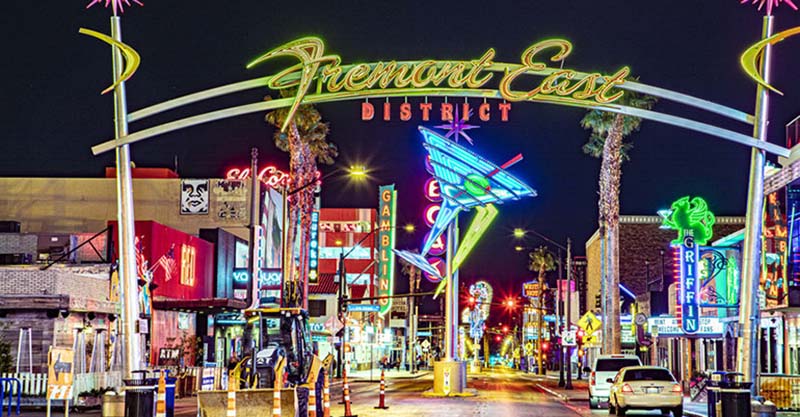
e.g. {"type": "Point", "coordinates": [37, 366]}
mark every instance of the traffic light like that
{"type": "Point", "coordinates": [505, 329]}
{"type": "Point", "coordinates": [497, 338]}
{"type": "Point", "coordinates": [545, 346]}
{"type": "Point", "coordinates": [471, 301]}
{"type": "Point", "coordinates": [597, 303]}
{"type": "Point", "coordinates": [579, 336]}
{"type": "Point", "coordinates": [510, 303]}
{"type": "Point", "coordinates": [580, 353]}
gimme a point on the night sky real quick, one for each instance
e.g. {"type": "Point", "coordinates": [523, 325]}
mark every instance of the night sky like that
{"type": "Point", "coordinates": [52, 112]}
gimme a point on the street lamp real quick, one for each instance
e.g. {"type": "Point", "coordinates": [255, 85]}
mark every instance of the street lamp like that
{"type": "Point", "coordinates": [565, 352]}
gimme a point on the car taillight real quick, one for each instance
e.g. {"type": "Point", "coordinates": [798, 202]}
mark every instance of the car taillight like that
{"type": "Point", "coordinates": [627, 388]}
{"type": "Point", "coordinates": [677, 388]}
{"type": "Point", "coordinates": [593, 379]}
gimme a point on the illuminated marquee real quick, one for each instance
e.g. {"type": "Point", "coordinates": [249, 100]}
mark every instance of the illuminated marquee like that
{"type": "Point", "coordinates": [564, 85]}
{"type": "Point", "coordinates": [271, 176]}
{"type": "Point", "coordinates": [386, 234]}
{"type": "Point", "coordinates": [406, 111]}
{"type": "Point", "coordinates": [187, 265]}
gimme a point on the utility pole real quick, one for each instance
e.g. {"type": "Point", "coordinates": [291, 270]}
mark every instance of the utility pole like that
{"type": "Point", "coordinates": [539, 323]}
{"type": "Point", "coordinates": [568, 385]}
{"type": "Point", "coordinates": [253, 266]}
{"type": "Point", "coordinates": [559, 322]}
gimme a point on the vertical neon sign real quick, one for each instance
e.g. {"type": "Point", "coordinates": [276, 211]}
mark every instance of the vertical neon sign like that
{"type": "Point", "coordinates": [386, 236]}
{"type": "Point", "coordinates": [690, 310]}
{"type": "Point", "coordinates": [313, 252]}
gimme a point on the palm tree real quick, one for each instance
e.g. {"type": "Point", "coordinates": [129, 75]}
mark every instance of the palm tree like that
{"type": "Point", "coordinates": [541, 261]}
{"type": "Point", "coordinates": [606, 142]}
{"type": "Point", "coordinates": [306, 142]}
{"type": "Point", "coordinates": [414, 274]}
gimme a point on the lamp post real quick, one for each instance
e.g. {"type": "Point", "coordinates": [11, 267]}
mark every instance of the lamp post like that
{"type": "Point", "coordinates": [565, 351]}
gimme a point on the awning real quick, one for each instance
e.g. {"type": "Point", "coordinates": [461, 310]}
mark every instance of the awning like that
{"type": "Point", "coordinates": [203, 305]}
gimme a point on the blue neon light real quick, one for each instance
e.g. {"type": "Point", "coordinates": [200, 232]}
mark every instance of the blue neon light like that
{"type": "Point", "coordinates": [313, 250]}
{"type": "Point", "coordinates": [452, 164]}
{"type": "Point", "coordinates": [690, 309]}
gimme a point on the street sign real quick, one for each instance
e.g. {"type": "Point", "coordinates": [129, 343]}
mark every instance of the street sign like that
{"type": "Point", "coordinates": [59, 374]}
{"type": "Point", "coordinates": [589, 323]}
{"type": "Point", "coordinates": [363, 308]}
{"type": "Point", "coordinates": [424, 333]}
{"type": "Point", "coordinates": [568, 338]}
{"type": "Point", "coordinates": [425, 344]}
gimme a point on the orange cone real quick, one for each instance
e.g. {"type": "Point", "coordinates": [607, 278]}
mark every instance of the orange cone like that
{"type": "Point", "coordinates": [161, 397]}
{"type": "Point", "coordinates": [231, 412]}
{"type": "Point", "coordinates": [381, 401]}
{"type": "Point", "coordinates": [346, 394]}
{"type": "Point", "coordinates": [326, 395]}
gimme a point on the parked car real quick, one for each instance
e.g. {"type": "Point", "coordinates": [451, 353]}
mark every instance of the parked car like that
{"type": "Point", "coordinates": [606, 367]}
{"type": "Point", "coordinates": [645, 388]}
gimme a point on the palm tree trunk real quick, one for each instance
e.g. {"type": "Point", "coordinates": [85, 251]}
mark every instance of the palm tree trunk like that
{"type": "Point", "coordinates": [610, 175]}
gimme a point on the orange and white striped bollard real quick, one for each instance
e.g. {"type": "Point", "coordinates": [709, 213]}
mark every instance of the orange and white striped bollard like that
{"type": "Point", "coordinates": [382, 400]}
{"type": "Point", "coordinates": [348, 412]}
{"type": "Point", "coordinates": [326, 395]}
{"type": "Point", "coordinates": [312, 401]}
{"type": "Point", "coordinates": [161, 397]}
{"type": "Point", "coordinates": [231, 409]}
{"type": "Point", "coordinates": [276, 400]}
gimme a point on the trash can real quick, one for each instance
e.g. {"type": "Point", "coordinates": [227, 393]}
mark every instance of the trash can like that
{"type": "Point", "coordinates": [734, 396]}
{"type": "Point", "coordinates": [169, 393]}
{"type": "Point", "coordinates": [140, 395]}
{"type": "Point", "coordinates": [113, 404]}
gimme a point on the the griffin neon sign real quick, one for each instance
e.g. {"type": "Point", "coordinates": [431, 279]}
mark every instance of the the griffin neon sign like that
{"type": "Point", "coordinates": [563, 85]}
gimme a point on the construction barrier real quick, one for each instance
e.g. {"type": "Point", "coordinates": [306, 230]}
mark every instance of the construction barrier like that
{"type": "Point", "coordinates": [382, 398]}
{"type": "Point", "coordinates": [249, 402]}
{"type": "Point", "coordinates": [277, 403]}
{"type": "Point", "coordinates": [783, 390]}
{"type": "Point", "coordinates": [312, 402]}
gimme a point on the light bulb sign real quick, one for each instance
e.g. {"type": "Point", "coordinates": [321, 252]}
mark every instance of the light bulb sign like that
{"type": "Point", "coordinates": [387, 204]}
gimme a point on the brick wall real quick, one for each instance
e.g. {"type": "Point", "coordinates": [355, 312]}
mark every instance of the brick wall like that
{"type": "Point", "coordinates": [641, 243]}
{"type": "Point", "coordinates": [84, 282]}
{"type": "Point", "coordinates": [13, 243]}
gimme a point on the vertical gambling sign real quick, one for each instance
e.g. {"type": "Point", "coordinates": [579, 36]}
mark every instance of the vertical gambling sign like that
{"type": "Point", "coordinates": [387, 202]}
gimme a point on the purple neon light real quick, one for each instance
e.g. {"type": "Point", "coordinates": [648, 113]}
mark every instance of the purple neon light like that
{"type": "Point", "coordinates": [115, 4]}
{"type": "Point", "coordinates": [770, 4]}
{"type": "Point", "coordinates": [458, 127]}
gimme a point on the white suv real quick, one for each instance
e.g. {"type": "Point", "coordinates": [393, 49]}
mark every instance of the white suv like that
{"type": "Point", "coordinates": [605, 368]}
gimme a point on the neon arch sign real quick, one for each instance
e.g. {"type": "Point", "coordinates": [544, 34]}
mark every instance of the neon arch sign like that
{"type": "Point", "coordinates": [336, 82]}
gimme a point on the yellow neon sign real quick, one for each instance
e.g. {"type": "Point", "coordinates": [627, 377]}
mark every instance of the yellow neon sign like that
{"type": "Point", "coordinates": [564, 85]}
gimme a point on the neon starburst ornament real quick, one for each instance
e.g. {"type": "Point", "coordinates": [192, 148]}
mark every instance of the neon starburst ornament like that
{"type": "Point", "coordinates": [458, 126]}
{"type": "Point", "coordinates": [770, 4]}
{"type": "Point", "coordinates": [115, 4]}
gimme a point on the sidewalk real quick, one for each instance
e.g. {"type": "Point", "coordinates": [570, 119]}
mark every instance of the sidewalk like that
{"type": "Point", "coordinates": [700, 409]}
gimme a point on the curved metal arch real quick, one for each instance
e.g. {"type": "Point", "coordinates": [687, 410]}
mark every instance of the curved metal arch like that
{"type": "Point", "coordinates": [452, 92]}
{"type": "Point", "coordinates": [496, 67]}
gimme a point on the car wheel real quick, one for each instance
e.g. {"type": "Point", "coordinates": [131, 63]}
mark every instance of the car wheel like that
{"type": "Point", "coordinates": [677, 411]}
{"type": "Point", "coordinates": [611, 409]}
{"type": "Point", "coordinates": [593, 403]}
{"type": "Point", "coordinates": [666, 412]}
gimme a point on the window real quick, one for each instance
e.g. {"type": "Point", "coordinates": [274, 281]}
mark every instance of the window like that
{"type": "Point", "coordinates": [648, 375]}
{"type": "Point", "coordinates": [614, 365]}
{"type": "Point", "coordinates": [316, 308]}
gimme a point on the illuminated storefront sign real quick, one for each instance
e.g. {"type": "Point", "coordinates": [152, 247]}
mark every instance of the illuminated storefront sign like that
{"type": "Point", "coordinates": [270, 175]}
{"type": "Point", "coordinates": [694, 222]}
{"type": "Point", "coordinates": [405, 111]}
{"type": "Point", "coordinates": [690, 309]}
{"type": "Point", "coordinates": [669, 326]}
{"type": "Point", "coordinates": [386, 235]}
{"type": "Point", "coordinates": [313, 251]}
{"type": "Point", "coordinates": [187, 265]}
{"type": "Point", "coordinates": [562, 86]}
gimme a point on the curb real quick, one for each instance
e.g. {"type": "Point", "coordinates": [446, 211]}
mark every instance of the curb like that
{"type": "Point", "coordinates": [553, 393]}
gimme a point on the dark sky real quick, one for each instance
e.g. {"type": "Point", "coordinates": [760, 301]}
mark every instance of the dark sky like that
{"type": "Point", "coordinates": [52, 112]}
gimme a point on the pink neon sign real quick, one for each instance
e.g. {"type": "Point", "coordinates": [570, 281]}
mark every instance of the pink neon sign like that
{"type": "Point", "coordinates": [270, 175]}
